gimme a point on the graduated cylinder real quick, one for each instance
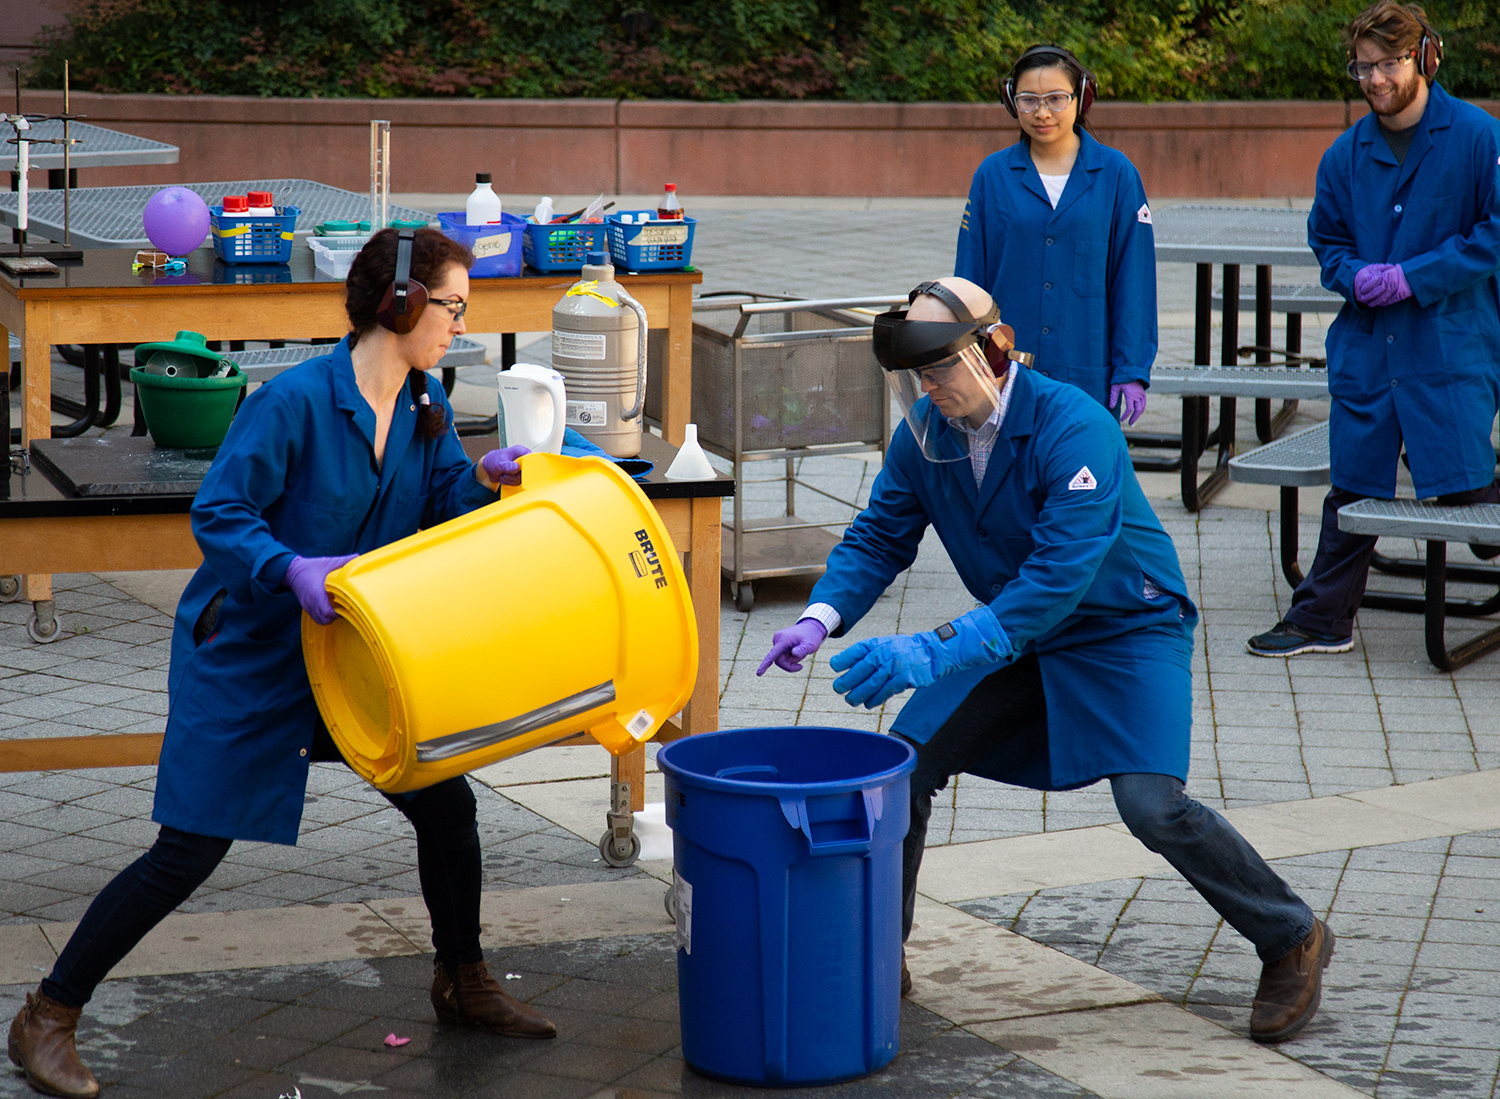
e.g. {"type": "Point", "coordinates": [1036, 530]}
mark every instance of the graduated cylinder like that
{"type": "Point", "coordinates": [560, 609]}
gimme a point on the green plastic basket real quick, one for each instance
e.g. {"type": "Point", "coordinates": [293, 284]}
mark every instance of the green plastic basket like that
{"type": "Point", "coordinates": [188, 413]}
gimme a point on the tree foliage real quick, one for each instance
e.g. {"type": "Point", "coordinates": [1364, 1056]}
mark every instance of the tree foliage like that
{"type": "Point", "coordinates": [904, 51]}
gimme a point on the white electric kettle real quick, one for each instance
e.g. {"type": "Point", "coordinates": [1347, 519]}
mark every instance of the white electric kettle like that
{"type": "Point", "coordinates": [533, 407]}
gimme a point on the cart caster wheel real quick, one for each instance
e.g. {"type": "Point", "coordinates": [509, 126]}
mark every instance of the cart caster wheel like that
{"type": "Point", "coordinates": [669, 902]}
{"type": "Point", "coordinates": [34, 630]}
{"type": "Point", "coordinates": [10, 589]}
{"type": "Point", "coordinates": [608, 854]}
{"type": "Point", "coordinates": [744, 597]}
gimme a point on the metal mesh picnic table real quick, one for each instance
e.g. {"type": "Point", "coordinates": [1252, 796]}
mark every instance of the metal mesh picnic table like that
{"type": "Point", "coordinates": [1194, 233]}
{"type": "Point", "coordinates": [97, 148]}
{"type": "Point", "coordinates": [111, 217]}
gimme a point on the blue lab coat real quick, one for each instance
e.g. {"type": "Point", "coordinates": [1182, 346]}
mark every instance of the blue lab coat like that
{"type": "Point", "coordinates": [1426, 369]}
{"type": "Point", "coordinates": [295, 476]}
{"type": "Point", "coordinates": [1063, 566]}
{"type": "Point", "coordinates": [1078, 284]}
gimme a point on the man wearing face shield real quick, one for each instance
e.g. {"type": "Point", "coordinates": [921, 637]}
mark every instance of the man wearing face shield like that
{"type": "Point", "coordinates": [1076, 664]}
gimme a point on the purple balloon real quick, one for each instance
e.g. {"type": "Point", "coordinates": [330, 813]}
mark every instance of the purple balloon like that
{"type": "Point", "coordinates": [176, 220]}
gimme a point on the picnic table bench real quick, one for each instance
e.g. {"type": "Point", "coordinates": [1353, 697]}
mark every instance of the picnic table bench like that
{"type": "Point", "coordinates": [1302, 460]}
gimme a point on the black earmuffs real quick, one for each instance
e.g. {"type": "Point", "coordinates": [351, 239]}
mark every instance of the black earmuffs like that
{"type": "Point", "coordinates": [405, 298]}
{"type": "Point", "coordinates": [1086, 95]}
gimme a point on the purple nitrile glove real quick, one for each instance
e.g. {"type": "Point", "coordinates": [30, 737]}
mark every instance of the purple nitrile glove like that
{"type": "Point", "coordinates": [1368, 282]}
{"type": "Point", "coordinates": [501, 466]}
{"type": "Point", "coordinates": [1393, 287]}
{"type": "Point", "coordinates": [307, 577]}
{"type": "Point", "coordinates": [1130, 399]}
{"type": "Point", "coordinates": [789, 646]}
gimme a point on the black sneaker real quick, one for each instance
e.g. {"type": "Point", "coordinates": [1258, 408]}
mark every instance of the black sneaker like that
{"type": "Point", "coordinates": [1285, 639]}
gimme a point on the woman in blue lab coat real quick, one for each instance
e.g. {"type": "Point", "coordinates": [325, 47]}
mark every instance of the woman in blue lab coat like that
{"type": "Point", "coordinates": [1076, 664]}
{"type": "Point", "coordinates": [1057, 228]}
{"type": "Point", "coordinates": [345, 453]}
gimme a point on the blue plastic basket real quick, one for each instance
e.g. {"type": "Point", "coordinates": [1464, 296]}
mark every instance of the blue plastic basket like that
{"type": "Point", "coordinates": [653, 246]}
{"type": "Point", "coordinates": [787, 876]}
{"type": "Point", "coordinates": [562, 247]}
{"type": "Point", "coordinates": [496, 248]}
{"type": "Point", "coordinates": [259, 239]}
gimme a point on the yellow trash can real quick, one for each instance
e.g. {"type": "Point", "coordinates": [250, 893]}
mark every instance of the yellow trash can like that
{"type": "Point", "coordinates": [559, 609]}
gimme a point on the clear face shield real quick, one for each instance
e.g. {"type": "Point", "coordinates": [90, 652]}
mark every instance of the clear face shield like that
{"type": "Point", "coordinates": [940, 376]}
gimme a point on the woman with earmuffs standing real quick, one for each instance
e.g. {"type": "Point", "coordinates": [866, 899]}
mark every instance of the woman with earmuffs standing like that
{"type": "Point", "coordinates": [1058, 229]}
{"type": "Point", "coordinates": [340, 455]}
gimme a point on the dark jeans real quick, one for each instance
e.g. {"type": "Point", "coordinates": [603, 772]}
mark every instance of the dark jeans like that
{"type": "Point", "coordinates": [1200, 844]}
{"type": "Point", "coordinates": [146, 891]}
{"type": "Point", "coordinates": [1329, 594]}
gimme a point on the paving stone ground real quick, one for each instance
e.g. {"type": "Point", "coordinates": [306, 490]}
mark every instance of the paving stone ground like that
{"type": "Point", "coordinates": [1412, 1003]}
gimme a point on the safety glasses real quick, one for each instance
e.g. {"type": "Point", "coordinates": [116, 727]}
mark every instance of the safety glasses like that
{"type": "Point", "coordinates": [456, 306]}
{"type": "Point", "coordinates": [1056, 102]}
{"type": "Point", "coordinates": [1391, 66]}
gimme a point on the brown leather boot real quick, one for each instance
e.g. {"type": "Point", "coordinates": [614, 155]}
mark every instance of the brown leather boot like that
{"type": "Point", "coordinates": [468, 994]}
{"type": "Point", "coordinates": [1291, 988]}
{"type": "Point", "coordinates": [41, 1043]}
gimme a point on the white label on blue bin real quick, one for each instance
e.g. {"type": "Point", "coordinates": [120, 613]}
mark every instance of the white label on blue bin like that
{"type": "Point", "coordinates": [497, 245]}
{"type": "Point", "coordinates": [578, 345]}
{"type": "Point", "coordinates": [660, 234]}
{"type": "Point", "coordinates": [587, 413]}
{"type": "Point", "coordinates": [684, 896]}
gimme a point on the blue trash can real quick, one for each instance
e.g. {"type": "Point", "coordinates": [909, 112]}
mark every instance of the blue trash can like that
{"type": "Point", "coordinates": [787, 846]}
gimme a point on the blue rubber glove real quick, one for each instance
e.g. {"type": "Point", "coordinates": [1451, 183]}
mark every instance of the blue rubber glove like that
{"type": "Point", "coordinates": [1130, 399]}
{"type": "Point", "coordinates": [883, 667]}
{"type": "Point", "coordinates": [307, 577]}
{"type": "Point", "coordinates": [790, 645]}
{"type": "Point", "coordinates": [501, 466]}
{"type": "Point", "coordinates": [1393, 287]}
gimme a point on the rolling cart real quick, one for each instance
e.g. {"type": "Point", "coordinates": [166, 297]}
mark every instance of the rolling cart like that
{"type": "Point", "coordinates": [783, 380]}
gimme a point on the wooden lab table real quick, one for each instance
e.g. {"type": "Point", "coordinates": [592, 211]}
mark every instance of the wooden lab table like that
{"type": "Point", "coordinates": [101, 300]}
{"type": "Point", "coordinates": [48, 523]}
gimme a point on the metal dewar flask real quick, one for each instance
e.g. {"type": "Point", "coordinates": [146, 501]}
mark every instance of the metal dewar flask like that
{"type": "Point", "coordinates": [599, 346]}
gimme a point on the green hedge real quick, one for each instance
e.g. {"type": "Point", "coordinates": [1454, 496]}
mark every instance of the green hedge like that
{"type": "Point", "coordinates": [949, 50]}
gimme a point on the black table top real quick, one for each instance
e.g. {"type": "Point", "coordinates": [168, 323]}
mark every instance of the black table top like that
{"type": "Point", "coordinates": [121, 475]}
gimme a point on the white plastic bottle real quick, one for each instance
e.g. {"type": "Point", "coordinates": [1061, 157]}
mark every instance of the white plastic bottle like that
{"type": "Point", "coordinates": [483, 207]}
{"type": "Point", "coordinates": [543, 214]}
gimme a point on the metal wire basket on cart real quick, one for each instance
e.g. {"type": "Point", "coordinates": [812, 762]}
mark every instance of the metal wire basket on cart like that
{"type": "Point", "coordinates": [785, 379]}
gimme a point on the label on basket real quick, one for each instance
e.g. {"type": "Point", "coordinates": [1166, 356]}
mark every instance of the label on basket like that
{"type": "Point", "coordinates": [660, 234]}
{"type": "Point", "coordinates": [683, 894]}
{"type": "Point", "coordinates": [587, 413]}
{"type": "Point", "coordinates": [640, 725]}
{"type": "Point", "coordinates": [578, 345]}
{"type": "Point", "coordinates": [497, 245]}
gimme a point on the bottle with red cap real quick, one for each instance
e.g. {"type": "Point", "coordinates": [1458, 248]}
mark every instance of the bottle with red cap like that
{"type": "Point", "coordinates": [670, 208]}
{"type": "Point", "coordinates": [237, 206]}
{"type": "Point", "coordinates": [262, 204]}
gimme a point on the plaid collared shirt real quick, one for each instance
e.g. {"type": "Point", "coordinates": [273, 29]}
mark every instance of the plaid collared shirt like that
{"type": "Point", "coordinates": [982, 446]}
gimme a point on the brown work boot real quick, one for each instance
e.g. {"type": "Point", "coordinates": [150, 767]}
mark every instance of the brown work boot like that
{"type": "Point", "coordinates": [41, 1043]}
{"type": "Point", "coordinates": [1291, 988]}
{"type": "Point", "coordinates": [468, 994]}
{"type": "Point", "coordinates": [905, 975]}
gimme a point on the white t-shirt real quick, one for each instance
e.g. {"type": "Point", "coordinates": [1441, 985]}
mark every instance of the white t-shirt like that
{"type": "Point", "coordinates": [1055, 186]}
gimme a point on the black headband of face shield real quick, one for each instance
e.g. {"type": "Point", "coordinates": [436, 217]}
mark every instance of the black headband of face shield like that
{"type": "Point", "coordinates": [954, 303]}
{"type": "Point", "coordinates": [901, 344]}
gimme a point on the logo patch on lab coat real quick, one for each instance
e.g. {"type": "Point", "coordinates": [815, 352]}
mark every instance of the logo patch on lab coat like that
{"type": "Point", "coordinates": [1083, 481]}
{"type": "Point", "coordinates": [1143, 215]}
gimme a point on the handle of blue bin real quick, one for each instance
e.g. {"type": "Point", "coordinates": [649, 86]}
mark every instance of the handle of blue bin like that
{"type": "Point", "coordinates": [795, 811]}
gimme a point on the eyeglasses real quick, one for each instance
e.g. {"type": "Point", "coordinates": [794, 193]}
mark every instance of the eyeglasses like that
{"type": "Point", "coordinates": [457, 306]}
{"type": "Point", "coordinates": [935, 375]}
{"type": "Point", "coordinates": [1391, 66]}
{"type": "Point", "coordinates": [1056, 102]}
